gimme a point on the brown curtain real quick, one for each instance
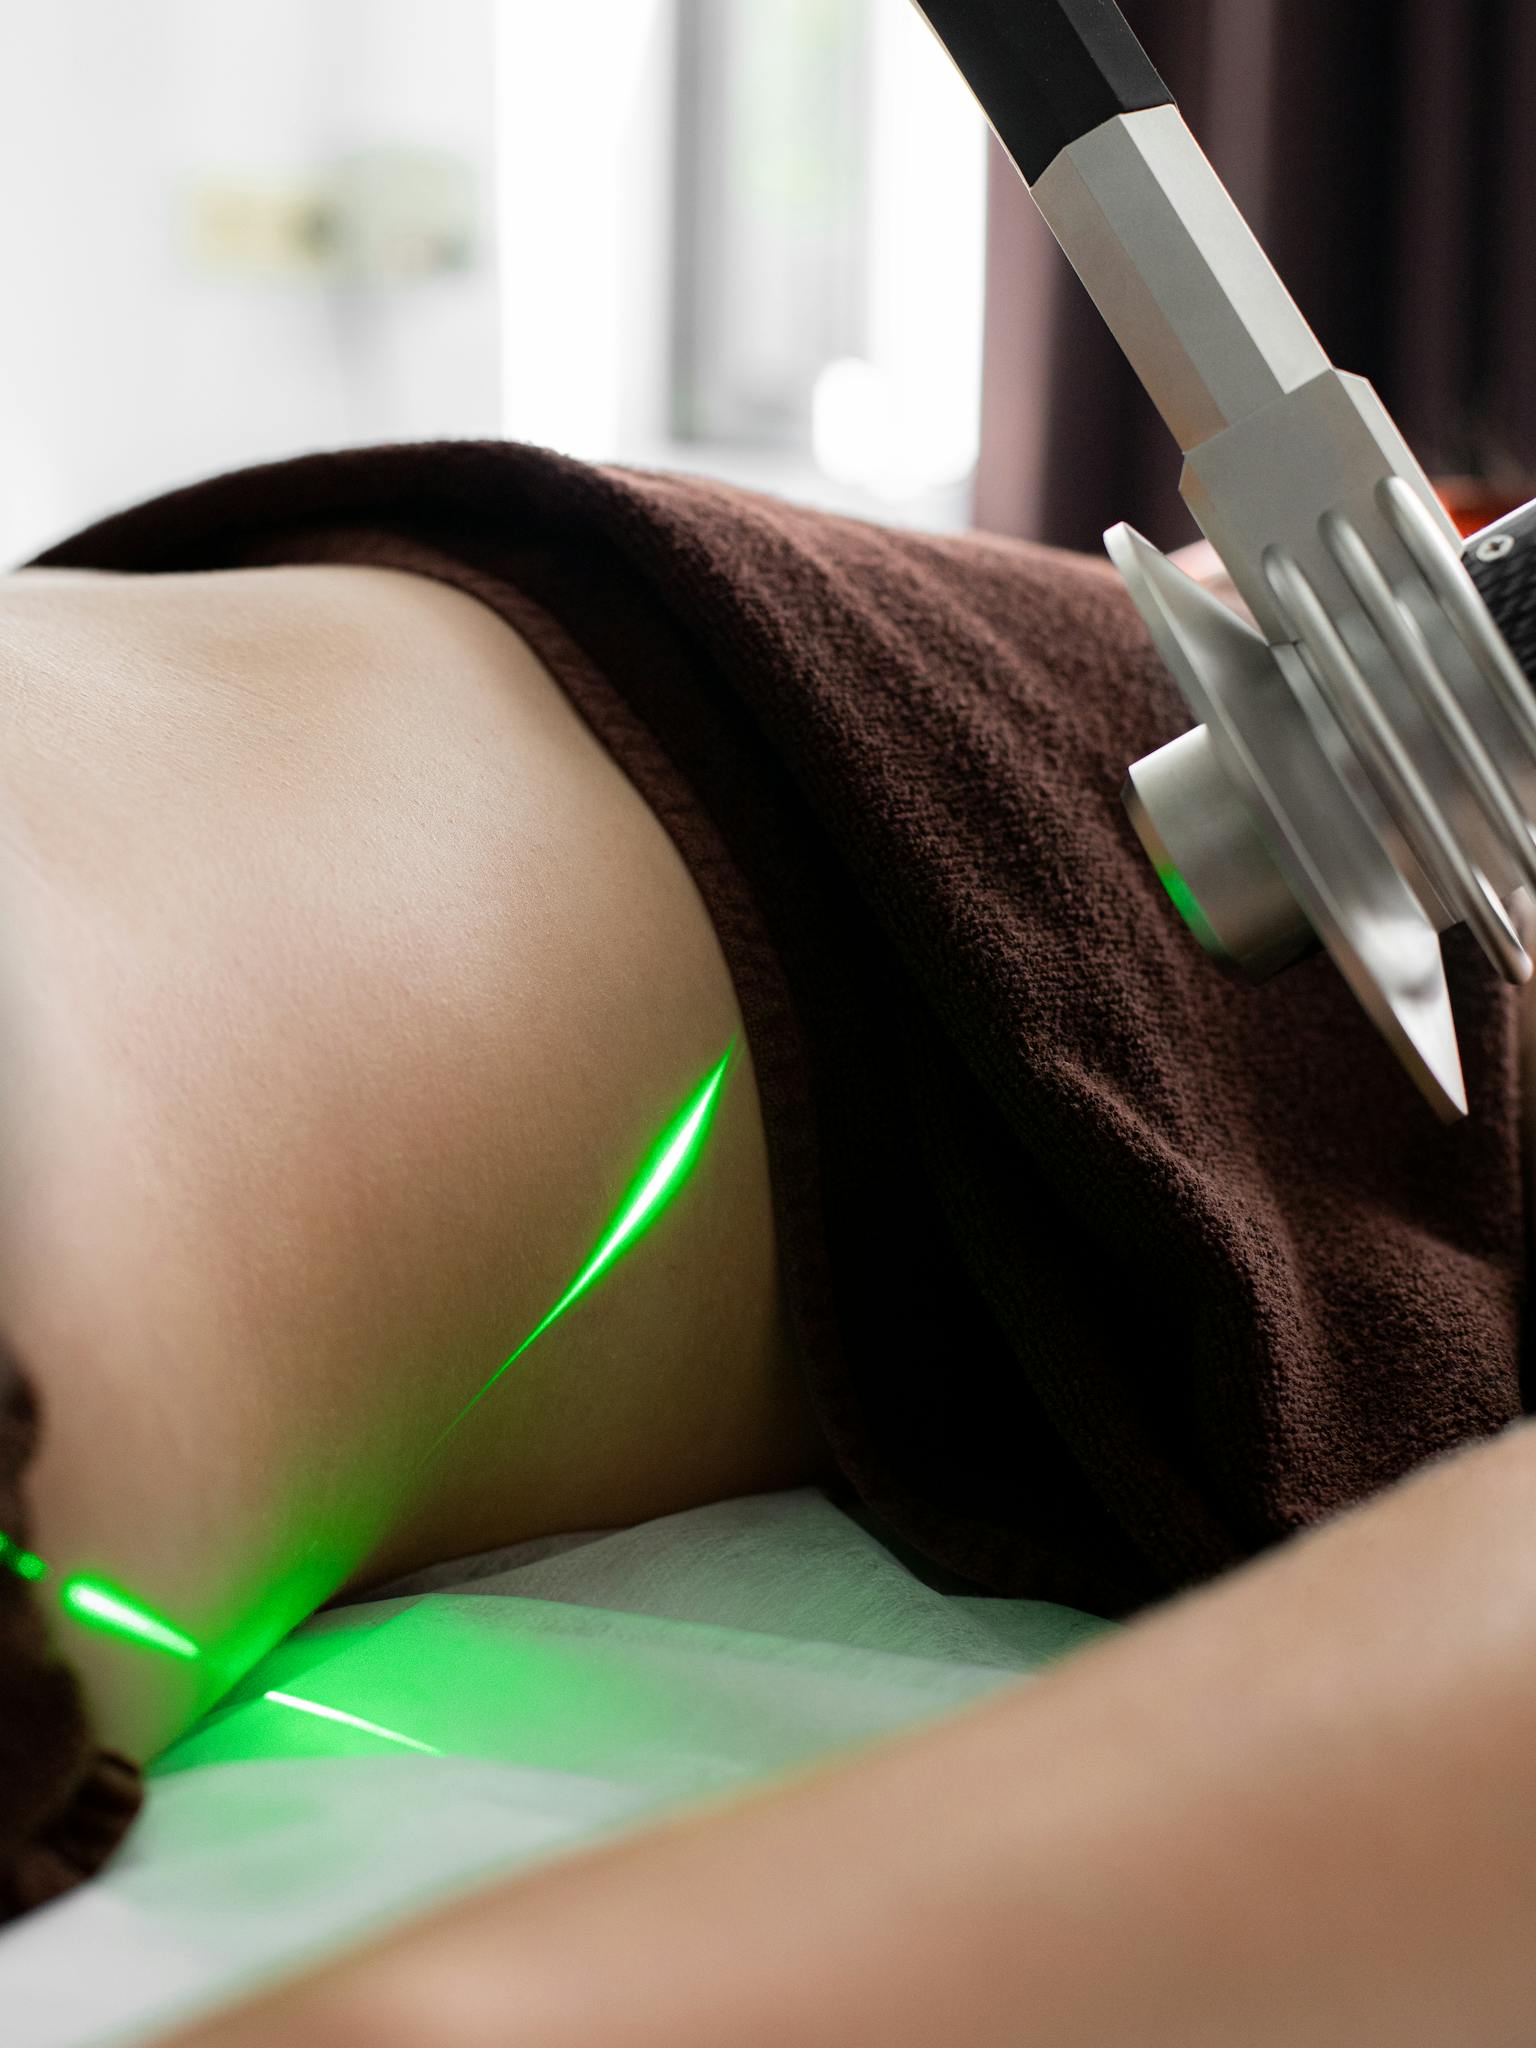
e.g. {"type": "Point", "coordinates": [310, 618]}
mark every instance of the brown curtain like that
{"type": "Point", "coordinates": [1384, 153]}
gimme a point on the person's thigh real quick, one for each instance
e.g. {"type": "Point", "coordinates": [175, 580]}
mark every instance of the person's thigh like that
{"type": "Point", "coordinates": [349, 983]}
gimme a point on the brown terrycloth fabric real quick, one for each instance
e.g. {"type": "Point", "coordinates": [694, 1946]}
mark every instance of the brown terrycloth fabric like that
{"type": "Point", "coordinates": [64, 1804]}
{"type": "Point", "coordinates": [1109, 1271]}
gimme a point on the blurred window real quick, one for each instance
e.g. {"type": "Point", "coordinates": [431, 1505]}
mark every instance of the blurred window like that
{"type": "Point", "coordinates": [758, 253]}
{"type": "Point", "coordinates": [771, 168]}
{"type": "Point", "coordinates": [740, 238]}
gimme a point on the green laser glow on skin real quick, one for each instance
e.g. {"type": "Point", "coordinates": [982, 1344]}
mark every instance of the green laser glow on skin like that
{"type": "Point", "coordinates": [663, 1173]}
{"type": "Point", "coordinates": [98, 1604]}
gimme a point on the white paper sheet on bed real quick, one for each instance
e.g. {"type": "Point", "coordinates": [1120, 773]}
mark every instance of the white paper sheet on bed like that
{"type": "Point", "coordinates": [554, 1690]}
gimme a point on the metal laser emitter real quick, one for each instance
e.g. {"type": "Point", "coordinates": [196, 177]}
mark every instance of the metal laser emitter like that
{"type": "Point", "coordinates": [1363, 773]}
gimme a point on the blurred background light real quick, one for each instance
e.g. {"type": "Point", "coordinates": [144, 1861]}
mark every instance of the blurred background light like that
{"type": "Point", "coordinates": [644, 231]}
{"type": "Point", "coordinates": [771, 241]}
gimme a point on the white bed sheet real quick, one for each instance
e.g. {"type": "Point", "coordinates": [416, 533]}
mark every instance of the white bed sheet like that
{"type": "Point", "coordinates": [565, 1688]}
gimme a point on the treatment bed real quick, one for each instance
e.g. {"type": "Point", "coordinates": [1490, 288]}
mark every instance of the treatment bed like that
{"type": "Point", "coordinates": [517, 1703]}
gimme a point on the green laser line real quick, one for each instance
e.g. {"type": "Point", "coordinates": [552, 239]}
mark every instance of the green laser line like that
{"type": "Point", "coordinates": [110, 1609]}
{"type": "Point", "coordinates": [288, 1699]}
{"type": "Point", "coordinates": [106, 1607]}
{"type": "Point", "coordinates": [659, 1179]}
{"type": "Point", "coordinates": [25, 1563]}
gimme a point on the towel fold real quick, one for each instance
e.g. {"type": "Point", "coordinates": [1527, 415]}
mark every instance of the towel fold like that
{"type": "Point", "coordinates": [1109, 1272]}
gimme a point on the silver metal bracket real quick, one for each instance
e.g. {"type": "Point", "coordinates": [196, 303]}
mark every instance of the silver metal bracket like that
{"type": "Point", "coordinates": [1298, 813]}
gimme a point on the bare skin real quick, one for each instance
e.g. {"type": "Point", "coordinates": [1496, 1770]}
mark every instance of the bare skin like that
{"type": "Point", "coordinates": [348, 984]}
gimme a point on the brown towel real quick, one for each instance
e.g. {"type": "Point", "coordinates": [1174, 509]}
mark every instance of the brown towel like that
{"type": "Point", "coordinates": [1109, 1271]}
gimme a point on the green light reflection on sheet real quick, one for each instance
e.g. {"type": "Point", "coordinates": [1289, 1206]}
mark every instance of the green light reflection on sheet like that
{"type": "Point", "coordinates": [288, 1699]}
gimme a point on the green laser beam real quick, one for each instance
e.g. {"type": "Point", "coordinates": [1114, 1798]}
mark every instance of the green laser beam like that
{"type": "Point", "coordinates": [109, 1609]}
{"type": "Point", "coordinates": [101, 1605]}
{"type": "Point", "coordinates": [288, 1699]}
{"type": "Point", "coordinates": [674, 1152]}
{"type": "Point", "coordinates": [25, 1563]}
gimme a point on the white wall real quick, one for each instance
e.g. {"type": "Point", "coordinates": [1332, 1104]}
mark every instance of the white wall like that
{"type": "Point", "coordinates": [123, 369]}
{"type": "Point", "coordinates": [129, 364]}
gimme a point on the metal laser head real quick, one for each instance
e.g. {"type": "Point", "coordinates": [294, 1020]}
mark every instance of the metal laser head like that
{"type": "Point", "coordinates": [1365, 766]}
{"type": "Point", "coordinates": [1364, 773]}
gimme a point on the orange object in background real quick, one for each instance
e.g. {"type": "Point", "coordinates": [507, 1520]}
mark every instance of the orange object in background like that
{"type": "Point", "coordinates": [1473, 502]}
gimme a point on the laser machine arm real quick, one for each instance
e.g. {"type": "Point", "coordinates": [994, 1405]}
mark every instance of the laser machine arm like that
{"type": "Point", "coordinates": [1363, 775]}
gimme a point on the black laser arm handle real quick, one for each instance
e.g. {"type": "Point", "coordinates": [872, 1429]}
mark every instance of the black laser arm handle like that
{"type": "Point", "coordinates": [1045, 71]}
